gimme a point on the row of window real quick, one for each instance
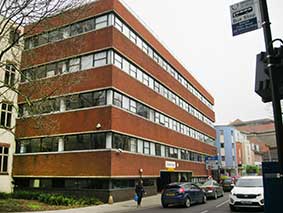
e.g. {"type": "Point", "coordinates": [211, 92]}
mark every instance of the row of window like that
{"type": "Point", "coordinates": [110, 57]}
{"type": "Point", "coordinates": [80, 183]}
{"type": "Point", "coordinates": [68, 143]}
{"type": "Point", "coordinates": [96, 23]}
{"type": "Point", "coordinates": [68, 31]}
{"type": "Point", "coordinates": [61, 104]}
{"type": "Point", "coordinates": [132, 144]}
{"type": "Point", "coordinates": [91, 141]}
{"type": "Point", "coordinates": [98, 98]}
{"type": "Point", "coordinates": [150, 82]}
{"type": "Point", "coordinates": [133, 106]}
{"type": "Point", "coordinates": [129, 33]}
{"type": "Point", "coordinates": [70, 65]}
{"type": "Point", "coordinates": [4, 153]}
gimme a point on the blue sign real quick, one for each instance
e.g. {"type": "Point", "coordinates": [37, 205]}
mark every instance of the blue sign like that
{"type": "Point", "coordinates": [245, 16]}
{"type": "Point", "coordinates": [245, 26]}
{"type": "Point", "coordinates": [211, 158]}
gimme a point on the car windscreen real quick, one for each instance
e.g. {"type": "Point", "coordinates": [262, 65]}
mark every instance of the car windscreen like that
{"type": "Point", "coordinates": [252, 182]}
{"type": "Point", "coordinates": [227, 181]}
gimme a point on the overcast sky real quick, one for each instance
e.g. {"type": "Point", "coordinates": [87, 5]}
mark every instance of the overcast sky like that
{"type": "Point", "coordinates": [198, 33]}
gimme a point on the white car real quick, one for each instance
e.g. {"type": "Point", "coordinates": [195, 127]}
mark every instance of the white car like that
{"type": "Point", "coordinates": [248, 192]}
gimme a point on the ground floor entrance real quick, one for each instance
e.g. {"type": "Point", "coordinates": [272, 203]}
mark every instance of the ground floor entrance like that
{"type": "Point", "coordinates": [167, 177]}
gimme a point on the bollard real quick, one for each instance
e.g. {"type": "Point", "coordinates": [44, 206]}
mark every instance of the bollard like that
{"type": "Point", "coordinates": [110, 199]}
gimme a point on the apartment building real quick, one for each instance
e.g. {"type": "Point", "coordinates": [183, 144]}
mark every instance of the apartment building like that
{"type": "Point", "coordinates": [110, 105]}
{"type": "Point", "coordinates": [226, 146]}
{"type": "Point", "coordinates": [9, 66]}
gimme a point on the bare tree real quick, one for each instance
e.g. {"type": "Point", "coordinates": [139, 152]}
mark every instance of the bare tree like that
{"type": "Point", "coordinates": [30, 15]}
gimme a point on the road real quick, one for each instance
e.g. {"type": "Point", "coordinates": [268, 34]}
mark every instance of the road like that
{"type": "Point", "coordinates": [212, 206]}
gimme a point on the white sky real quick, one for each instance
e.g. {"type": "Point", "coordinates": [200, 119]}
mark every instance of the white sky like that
{"type": "Point", "coordinates": [198, 33]}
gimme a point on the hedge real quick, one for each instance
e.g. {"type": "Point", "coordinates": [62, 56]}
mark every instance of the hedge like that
{"type": "Point", "coordinates": [51, 199]}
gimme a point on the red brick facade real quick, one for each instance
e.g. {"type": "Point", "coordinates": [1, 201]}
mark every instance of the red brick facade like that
{"type": "Point", "coordinates": [108, 163]}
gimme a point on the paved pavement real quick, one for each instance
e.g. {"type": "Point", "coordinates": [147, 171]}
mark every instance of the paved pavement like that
{"type": "Point", "coordinates": [125, 206]}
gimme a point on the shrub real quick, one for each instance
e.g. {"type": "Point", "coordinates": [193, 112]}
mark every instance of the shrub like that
{"type": "Point", "coordinates": [4, 195]}
{"type": "Point", "coordinates": [51, 199]}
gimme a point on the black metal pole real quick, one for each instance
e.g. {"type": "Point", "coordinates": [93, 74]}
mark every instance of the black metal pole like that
{"type": "Point", "coordinates": [273, 82]}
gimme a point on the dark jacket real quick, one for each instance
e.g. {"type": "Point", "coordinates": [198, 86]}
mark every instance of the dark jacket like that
{"type": "Point", "coordinates": [139, 190]}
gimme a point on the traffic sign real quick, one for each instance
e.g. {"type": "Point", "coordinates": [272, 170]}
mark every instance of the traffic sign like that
{"type": "Point", "coordinates": [245, 16]}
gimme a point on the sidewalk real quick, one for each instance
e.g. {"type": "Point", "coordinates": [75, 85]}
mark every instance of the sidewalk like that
{"type": "Point", "coordinates": [124, 206]}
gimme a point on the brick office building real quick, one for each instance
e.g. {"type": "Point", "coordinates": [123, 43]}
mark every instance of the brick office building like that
{"type": "Point", "coordinates": [130, 109]}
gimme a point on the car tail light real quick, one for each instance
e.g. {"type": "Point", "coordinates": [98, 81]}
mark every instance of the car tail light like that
{"type": "Point", "coordinates": [209, 188]}
{"type": "Point", "coordinates": [181, 190]}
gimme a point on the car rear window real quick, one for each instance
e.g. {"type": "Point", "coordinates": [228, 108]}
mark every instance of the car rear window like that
{"type": "Point", "coordinates": [173, 187]}
{"type": "Point", "coordinates": [227, 181]}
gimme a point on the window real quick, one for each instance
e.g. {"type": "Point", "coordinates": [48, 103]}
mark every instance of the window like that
{"type": "Point", "coordinates": [49, 144]}
{"type": "Point", "coordinates": [118, 60]}
{"type": "Point", "coordinates": [126, 103]}
{"type": "Point", "coordinates": [42, 39]}
{"type": "Point", "coordinates": [133, 71]}
{"type": "Point", "coordinates": [146, 148]}
{"type": "Point", "coordinates": [133, 106]}
{"type": "Point", "coordinates": [4, 153]}
{"type": "Point", "coordinates": [98, 141]}
{"type": "Point", "coordinates": [74, 65]}
{"type": "Point", "coordinates": [117, 99]}
{"type": "Point", "coordinates": [86, 99]}
{"type": "Point", "coordinates": [120, 142]}
{"type": "Point", "coordinates": [87, 25]}
{"type": "Point", "coordinates": [100, 59]}
{"type": "Point", "coordinates": [133, 145]}
{"type": "Point", "coordinates": [101, 22]}
{"type": "Point", "coordinates": [50, 70]}
{"type": "Point", "coordinates": [10, 73]}
{"type": "Point", "coordinates": [99, 98]}
{"type": "Point", "coordinates": [142, 110]}
{"type": "Point", "coordinates": [76, 29]}
{"type": "Point", "coordinates": [53, 35]}
{"type": "Point", "coordinates": [6, 115]}
{"type": "Point", "coordinates": [157, 149]}
{"type": "Point", "coordinates": [118, 24]}
{"type": "Point", "coordinates": [62, 67]}
{"type": "Point", "coordinates": [87, 62]}
{"type": "Point", "coordinates": [72, 102]}
{"type": "Point", "coordinates": [133, 37]}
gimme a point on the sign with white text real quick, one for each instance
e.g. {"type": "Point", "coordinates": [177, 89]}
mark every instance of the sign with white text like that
{"type": "Point", "coordinates": [245, 16]}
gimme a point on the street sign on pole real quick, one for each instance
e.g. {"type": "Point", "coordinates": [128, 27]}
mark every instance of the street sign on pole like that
{"type": "Point", "coordinates": [245, 16]}
{"type": "Point", "coordinates": [212, 162]}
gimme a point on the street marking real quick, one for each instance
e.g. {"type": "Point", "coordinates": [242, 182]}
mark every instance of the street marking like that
{"type": "Point", "coordinates": [205, 211]}
{"type": "Point", "coordinates": [221, 204]}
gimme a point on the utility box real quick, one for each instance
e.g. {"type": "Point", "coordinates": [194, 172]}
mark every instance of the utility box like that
{"type": "Point", "coordinates": [273, 187]}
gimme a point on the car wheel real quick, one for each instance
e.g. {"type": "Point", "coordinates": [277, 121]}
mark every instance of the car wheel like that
{"type": "Point", "coordinates": [215, 195]}
{"type": "Point", "coordinates": [164, 205]}
{"type": "Point", "coordinates": [204, 199]}
{"type": "Point", "coordinates": [232, 208]}
{"type": "Point", "coordinates": [187, 203]}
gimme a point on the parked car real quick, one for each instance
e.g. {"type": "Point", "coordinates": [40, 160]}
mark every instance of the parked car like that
{"type": "Point", "coordinates": [182, 194]}
{"type": "Point", "coordinates": [248, 192]}
{"type": "Point", "coordinates": [228, 184]}
{"type": "Point", "coordinates": [212, 189]}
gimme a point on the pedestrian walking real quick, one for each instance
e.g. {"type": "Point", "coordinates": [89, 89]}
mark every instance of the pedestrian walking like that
{"type": "Point", "coordinates": [139, 191]}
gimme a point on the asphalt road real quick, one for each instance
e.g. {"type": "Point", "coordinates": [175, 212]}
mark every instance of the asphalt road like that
{"type": "Point", "coordinates": [212, 206]}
